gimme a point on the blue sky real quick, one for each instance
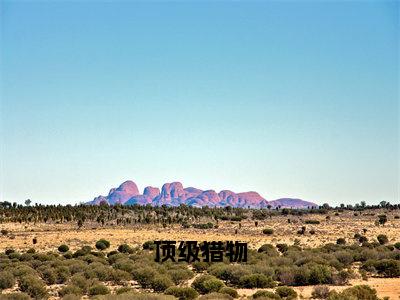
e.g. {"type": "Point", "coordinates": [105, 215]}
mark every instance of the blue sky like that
{"type": "Point", "coordinates": [290, 99]}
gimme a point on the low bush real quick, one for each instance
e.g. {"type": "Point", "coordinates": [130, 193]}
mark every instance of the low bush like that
{"type": "Point", "coordinates": [119, 276]}
{"type": "Point", "coordinates": [33, 286]}
{"type": "Point", "coordinates": [355, 292]}
{"type": "Point", "coordinates": [382, 239]}
{"type": "Point", "coordinates": [180, 275]}
{"type": "Point", "coordinates": [316, 222]}
{"type": "Point", "coordinates": [7, 280]}
{"type": "Point", "coordinates": [267, 295]}
{"type": "Point", "coordinates": [256, 281]}
{"type": "Point", "coordinates": [286, 293]}
{"type": "Point", "coordinates": [320, 292]}
{"type": "Point", "coordinates": [229, 273]}
{"type": "Point", "coordinates": [207, 284]}
{"type": "Point", "coordinates": [63, 248]}
{"type": "Point", "coordinates": [49, 275]}
{"type": "Point", "coordinates": [229, 291]}
{"type": "Point", "coordinates": [125, 248]}
{"type": "Point", "coordinates": [215, 296]}
{"type": "Point", "coordinates": [98, 289]}
{"type": "Point", "coordinates": [341, 241]}
{"type": "Point", "coordinates": [160, 283]}
{"type": "Point", "coordinates": [70, 290]}
{"type": "Point", "coordinates": [388, 267]}
{"type": "Point", "coordinates": [15, 296]}
{"type": "Point", "coordinates": [200, 266]}
{"type": "Point", "coordinates": [320, 274]}
{"type": "Point", "coordinates": [102, 244]}
{"type": "Point", "coordinates": [149, 245]}
{"type": "Point", "coordinates": [268, 231]}
{"type": "Point", "coordinates": [80, 281]}
{"type": "Point", "coordinates": [124, 290]}
{"type": "Point", "coordinates": [145, 276]}
{"type": "Point", "coordinates": [268, 249]}
{"type": "Point", "coordinates": [182, 293]}
{"type": "Point", "coordinates": [208, 225]}
{"type": "Point", "coordinates": [282, 247]}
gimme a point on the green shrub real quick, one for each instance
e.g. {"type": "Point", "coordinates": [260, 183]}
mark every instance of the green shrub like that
{"type": "Point", "coordinates": [119, 276]}
{"type": "Point", "coordinates": [382, 239]}
{"type": "Point", "coordinates": [70, 290]}
{"type": "Point", "coordinates": [229, 291]}
{"type": "Point", "coordinates": [315, 222]}
{"type": "Point", "coordinates": [49, 275]}
{"type": "Point", "coordinates": [320, 292]}
{"type": "Point", "coordinates": [144, 276]}
{"type": "Point", "coordinates": [98, 289]}
{"type": "Point", "coordinates": [102, 244]}
{"type": "Point", "coordinates": [341, 241]}
{"type": "Point", "coordinates": [341, 278]}
{"type": "Point", "coordinates": [256, 281]}
{"type": "Point", "coordinates": [265, 295]}
{"type": "Point", "coordinates": [388, 267]}
{"type": "Point", "coordinates": [33, 286]}
{"type": "Point", "coordinates": [123, 290]}
{"type": "Point", "coordinates": [63, 274]}
{"type": "Point", "coordinates": [160, 283]}
{"type": "Point", "coordinates": [268, 249]}
{"type": "Point", "coordinates": [80, 281]}
{"type": "Point", "coordinates": [15, 296]}
{"type": "Point", "coordinates": [268, 231]}
{"type": "Point", "coordinates": [125, 248]}
{"type": "Point", "coordinates": [229, 273]}
{"type": "Point", "coordinates": [344, 257]}
{"type": "Point", "coordinates": [82, 252]}
{"type": "Point", "coordinates": [14, 255]}
{"type": "Point", "coordinates": [215, 296]}
{"type": "Point", "coordinates": [208, 225]}
{"type": "Point", "coordinates": [286, 293]}
{"type": "Point", "coordinates": [213, 285]}
{"type": "Point", "coordinates": [180, 275]}
{"type": "Point", "coordinates": [320, 274]}
{"type": "Point", "coordinates": [9, 251]}
{"type": "Point", "coordinates": [207, 284]}
{"type": "Point", "coordinates": [149, 245]}
{"type": "Point", "coordinates": [7, 280]}
{"type": "Point", "coordinates": [182, 293]}
{"type": "Point", "coordinates": [363, 292]}
{"type": "Point", "coordinates": [282, 247]}
{"type": "Point", "coordinates": [382, 219]}
{"type": "Point", "coordinates": [200, 266]}
{"type": "Point", "coordinates": [63, 248]}
{"type": "Point", "coordinates": [397, 245]}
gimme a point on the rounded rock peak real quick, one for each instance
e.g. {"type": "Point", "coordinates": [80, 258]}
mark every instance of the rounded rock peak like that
{"type": "Point", "coordinates": [151, 192]}
{"type": "Point", "coordinates": [129, 187]}
{"type": "Point", "coordinates": [174, 190]}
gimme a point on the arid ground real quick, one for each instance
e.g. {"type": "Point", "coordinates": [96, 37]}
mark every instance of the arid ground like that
{"type": "Point", "coordinates": [44, 237]}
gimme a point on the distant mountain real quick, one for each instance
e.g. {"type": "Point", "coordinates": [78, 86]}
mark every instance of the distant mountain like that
{"type": "Point", "coordinates": [174, 194]}
{"type": "Point", "coordinates": [292, 202]}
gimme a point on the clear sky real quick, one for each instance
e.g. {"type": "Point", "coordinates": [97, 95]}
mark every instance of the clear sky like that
{"type": "Point", "coordinates": [285, 98]}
